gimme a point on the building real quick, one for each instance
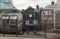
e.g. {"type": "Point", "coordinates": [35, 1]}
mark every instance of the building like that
{"type": "Point", "coordinates": [8, 10]}
{"type": "Point", "coordinates": [50, 15]}
{"type": "Point", "coordinates": [32, 17]}
{"type": "Point", "coordinates": [47, 18]}
{"type": "Point", "coordinates": [4, 6]}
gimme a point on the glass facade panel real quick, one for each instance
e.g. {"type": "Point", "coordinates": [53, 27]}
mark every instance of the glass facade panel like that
{"type": "Point", "coordinates": [3, 0]}
{"type": "Point", "coordinates": [4, 4]}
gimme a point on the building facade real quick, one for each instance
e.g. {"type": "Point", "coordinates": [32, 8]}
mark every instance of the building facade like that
{"type": "Point", "coordinates": [47, 17]}
{"type": "Point", "coordinates": [32, 18]}
{"type": "Point", "coordinates": [50, 15]}
{"type": "Point", "coordinates": [8, 10]}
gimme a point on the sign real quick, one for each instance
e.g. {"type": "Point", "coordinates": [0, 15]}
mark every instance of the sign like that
{"type": "Point", "coordinates": [13, 17]}
{"type": "Point", "coordinates": [5, 17]}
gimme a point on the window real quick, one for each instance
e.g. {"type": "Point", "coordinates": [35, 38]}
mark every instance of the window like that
{"type": "Point", "coordinates": [44, 18]}
{"type": "Point", "coordinates": [50, 18]}
{"type": "Point", "coordinates": [57, 11]}
{"type": "Point", "coordinates": [31, 21]}
{"type": "Point", "coordinates": [27, 22]}
{"type": "Point", "coordinates": [35, 22]}
{"type": "Point", "coordinates": [50, 12]}
{"type": "Point", "coordinates": [45, 13]}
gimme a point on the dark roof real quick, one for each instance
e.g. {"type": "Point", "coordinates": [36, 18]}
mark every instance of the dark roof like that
{"type": "Point", "coordinates": [30, 9]}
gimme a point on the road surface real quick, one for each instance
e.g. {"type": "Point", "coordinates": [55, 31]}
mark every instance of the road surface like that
{"type": "Point", "coordinates": [49, 36]}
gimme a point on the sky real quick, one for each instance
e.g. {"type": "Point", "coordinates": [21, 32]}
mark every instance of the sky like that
{"type": "Point", "coordinates": [24, 4]}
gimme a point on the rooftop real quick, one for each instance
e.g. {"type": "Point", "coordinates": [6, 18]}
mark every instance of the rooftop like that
{"type": "Point", "coordinates": [55, 6]}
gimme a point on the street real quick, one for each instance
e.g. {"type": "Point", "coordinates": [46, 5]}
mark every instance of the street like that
{"type": "Point", "coordinates": [18, 38]}
{"type": "Point", "coordinates": [49, 36]}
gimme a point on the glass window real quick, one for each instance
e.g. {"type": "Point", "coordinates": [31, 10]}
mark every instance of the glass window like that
{"type": "Point", "coordinates": [31, 21]}
{"type": "Point", "coordinates": [6, 6]}
{"type": "Point", "coordinates": [57, 11]}
{"type": "Point", "coordinates": [49, 12]}
{"type": "Point", "coordinates": [27, 22]}
{"type": "Point", "coordinates": [3, 0]}
{"type": "Point", "coordinates": [45, 13]}
{"type": "Point", "coordinates": [35, 22]}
